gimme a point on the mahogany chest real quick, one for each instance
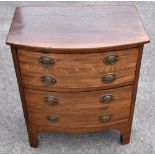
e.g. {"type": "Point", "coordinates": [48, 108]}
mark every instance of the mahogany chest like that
{"type": "Point", "coordinates": [77, 67]}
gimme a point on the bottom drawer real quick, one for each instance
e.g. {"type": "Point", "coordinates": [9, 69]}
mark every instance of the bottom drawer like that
{"type": "Point", "coordinates": [78, 108]}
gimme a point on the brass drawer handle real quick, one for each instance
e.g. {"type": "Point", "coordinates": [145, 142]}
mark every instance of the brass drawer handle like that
{"type": "Point", "coordinates": [48, 79]}
{"type": "Point", "coordinates": [52, 118]}
{"type": "Point", "coordinates": [111, 59]}
{"type": "Point", "coordinates": [107, 98]}
{"type": "Point", "coordinates": [108, 78]}
{"type": "Point", "coordinates": [50, 100]}
{"type": "Point", "coordinates": [46, 61]}
{"type": "Point", "coordinates": [105, 118]}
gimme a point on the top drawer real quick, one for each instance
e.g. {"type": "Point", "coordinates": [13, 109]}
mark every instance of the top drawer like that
{"type": "Point", "coordinates": [54, 72]}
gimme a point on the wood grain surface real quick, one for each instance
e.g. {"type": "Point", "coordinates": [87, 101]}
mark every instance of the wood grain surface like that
{"type": "Point", "coordinates": [82, 116]}
{"type": "Point", "coordinates": [75, 109]}
{"type": "Point", "coordinates": [77, 71]}
{"type": "Point", "coordinates": [69, 28]}
{"type": "Point", "coordinates": [70, 101]}
{"type": "Point", "coordinates": [77, 122]}
{"type": "Point", "coordinates": [120, 125]}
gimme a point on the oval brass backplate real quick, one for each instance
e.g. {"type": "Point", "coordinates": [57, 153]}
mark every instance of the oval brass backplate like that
{"type": "Point", "coordinates": [48, 80]}
{"type": "Point", "coordinates": [108, 78]}
{"type": "Point", "coordinates": [105, 118]}
{"type": "Point", "coordinates": [111, 59]}
{"type": "Point", "coordinates": [106, 99]}
{"type": "Point", "coordinates": [50, 100]}
{"type": "Point", "coordinates": [46, 61]}
{"type": "Point", "coordinates": [52, 118]}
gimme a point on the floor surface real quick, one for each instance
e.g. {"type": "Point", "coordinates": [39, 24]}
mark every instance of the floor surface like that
{"type": "Point", "coordinates": [13, 134]}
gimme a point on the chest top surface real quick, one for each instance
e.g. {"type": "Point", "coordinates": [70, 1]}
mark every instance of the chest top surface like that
{"type": "Point", "coordinates": [76, 27]}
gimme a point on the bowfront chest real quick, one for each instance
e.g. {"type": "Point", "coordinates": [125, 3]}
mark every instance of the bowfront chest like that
{"type": "Point", "coordinates": [77, 67]}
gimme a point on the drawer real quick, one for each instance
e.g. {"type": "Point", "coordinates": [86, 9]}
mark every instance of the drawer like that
{"type": "Point", "coordinates": [77, 71]}
{"type": "Point", "coordinates": [78, 107]}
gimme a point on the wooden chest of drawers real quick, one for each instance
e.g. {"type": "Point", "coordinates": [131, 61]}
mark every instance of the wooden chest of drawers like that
{"type": "Point", "coordinates": [77, 67]}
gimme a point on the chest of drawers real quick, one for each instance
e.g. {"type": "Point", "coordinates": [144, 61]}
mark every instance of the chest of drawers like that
{"type": "Point", "coordinates": [77, 67]}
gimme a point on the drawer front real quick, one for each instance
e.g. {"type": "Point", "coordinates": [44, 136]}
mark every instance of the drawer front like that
{"type": "Point", "coordinates": [77, 71]}
{"type": "Point", "coordinates": [78, 108]}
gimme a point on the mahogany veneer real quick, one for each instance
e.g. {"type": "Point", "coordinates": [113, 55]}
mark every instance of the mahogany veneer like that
{"type": "Point", "coordinates": [77, 67]}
